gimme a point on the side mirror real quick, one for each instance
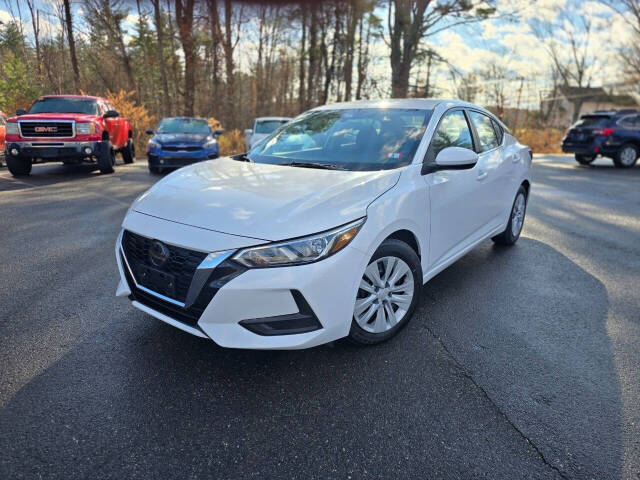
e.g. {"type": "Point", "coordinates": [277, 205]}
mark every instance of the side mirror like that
{"type": "Point", "coordinates": [111, 114]}
{"type": "Point", "coordinates": [218, 132]}
{"type": "Point", "coordinates": [248, 132]}
{"type": "Point", "coordinates": [148, 131]}
{"type": "Point", "coordinates": [20, 111]}
{"type": "Point", "coordinates": [455, 158]}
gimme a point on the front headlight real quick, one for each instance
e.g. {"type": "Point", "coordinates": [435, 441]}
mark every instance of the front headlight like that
{"type": "Point", "coordinates": [85, 128]}
{"type": "Point", "coordinates": [301, 250]}
{"type": "Point", "coordinates": [153, 144]}
{"type": "Point", "coordinates": [211, 143]}
{"type": "Point", "coordinates": [12, 129]}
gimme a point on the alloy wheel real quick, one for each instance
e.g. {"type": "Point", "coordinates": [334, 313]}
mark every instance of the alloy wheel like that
{"type": "Point", "coordinates": [517, 215]}
{"type": "Point", "coordinates": [384, 295]}
{"type": "Point", "coordinates": [628, 156]}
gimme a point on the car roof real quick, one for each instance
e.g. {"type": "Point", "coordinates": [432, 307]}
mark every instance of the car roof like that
{"type": "Point", "coordinates": [183, 118]}
{"type": "Point", "coordinates": [410, 103]}
{"type": "Point", "coordinates": [273, 118]}
{"type": "Point", "coordinates": [90, 97]}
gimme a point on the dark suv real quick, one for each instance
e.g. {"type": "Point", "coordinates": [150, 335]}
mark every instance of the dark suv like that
{"type": "Point", "coordinates": [614, 134]}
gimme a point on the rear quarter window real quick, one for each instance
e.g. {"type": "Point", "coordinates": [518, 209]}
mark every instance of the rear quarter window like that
{"type": "Point", "coordinates": [593, 121]}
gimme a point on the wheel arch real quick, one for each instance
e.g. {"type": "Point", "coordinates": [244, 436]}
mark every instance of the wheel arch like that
{"type": "Point", "coordinates": [407, 237]}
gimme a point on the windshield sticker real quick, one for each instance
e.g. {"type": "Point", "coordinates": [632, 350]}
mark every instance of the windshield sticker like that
{"type": "Point", "coordinates": [395, 156]}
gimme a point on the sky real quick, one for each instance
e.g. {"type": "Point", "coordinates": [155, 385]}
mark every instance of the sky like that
{"type": "Point", "coordinates": [508, 41]}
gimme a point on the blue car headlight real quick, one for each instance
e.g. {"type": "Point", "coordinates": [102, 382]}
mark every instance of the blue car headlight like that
{"type": "Point", "coordinates": [153, 145]}
{"type": "Point", "coordinates": [210, 143]}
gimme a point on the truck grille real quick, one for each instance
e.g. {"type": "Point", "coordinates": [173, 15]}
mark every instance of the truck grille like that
{"type": "Point", "coordinates": [171, 148]}
{"type": "Point", "coordinates": [35, 129]}
{"type": "Point", "coordinates": [181, 263]}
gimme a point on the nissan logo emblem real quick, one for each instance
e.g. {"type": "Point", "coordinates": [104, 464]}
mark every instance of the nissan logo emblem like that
{"type": "Point", "coordinates": [158, 253]}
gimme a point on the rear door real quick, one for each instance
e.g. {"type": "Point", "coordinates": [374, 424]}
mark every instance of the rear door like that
{"type": "Point", "coordinates": [494, 172]}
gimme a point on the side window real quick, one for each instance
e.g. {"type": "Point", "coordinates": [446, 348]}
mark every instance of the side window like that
{"type": "Point", "coordinates": [453, 131]}
{"type": "Point", "coordinates": [499, 131]}
{"type": "Point", "coordinates": [630, 121]}
{"type": "Point", "coordinates": [486, 133]}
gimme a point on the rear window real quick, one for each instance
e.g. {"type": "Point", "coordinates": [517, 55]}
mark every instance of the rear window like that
{"type": "Point", "coordinates": [593, 121]}
{"type": "Point", "coordinates": [269, 126]}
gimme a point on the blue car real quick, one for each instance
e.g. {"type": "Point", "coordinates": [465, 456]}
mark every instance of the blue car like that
{"type": "Point", "coordinates": [180, 141]}
{"type": "Point", "coordinates": [614, 134]}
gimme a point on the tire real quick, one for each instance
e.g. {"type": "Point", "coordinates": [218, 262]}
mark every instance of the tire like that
{"type": "Point", "coordinates": [107, 159]}
{"type": "Point", "coordinates": [626, 157]}
{"type": "Point", "coordinates": [18, 166]}
{"type": "Point", "coordinates": [511, 234]}
{"type": "Point", "coordinates": [585, 159]}
{"type": "Point", "coordinates": [129, 152]}
{"type": "Point", "coordinates": [373, 312]}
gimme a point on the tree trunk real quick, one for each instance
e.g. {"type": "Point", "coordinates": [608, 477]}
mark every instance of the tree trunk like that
{"type": "Point", "coordinates": [184, 19]}
{"type": "Point", "coordinates": [313, 56]}
{"type": "Point", "coordinates": [229, 46]}
{"type": "Point", "coordinates": [162, 64]}
{"type": "Point", "coordinates": [72, 44]}
{"type": "Point", "coordinates": [303, 55]}
{"type": "Point", "coordinates": [352, 23]}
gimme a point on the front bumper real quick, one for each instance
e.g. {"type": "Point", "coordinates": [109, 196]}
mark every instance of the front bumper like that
{"type": "Point", "coordinates": [163, 159]}
{"type": "Point", "coordinates": [324, 291]}
{"type": "Point", "coordinates": [51, 150]}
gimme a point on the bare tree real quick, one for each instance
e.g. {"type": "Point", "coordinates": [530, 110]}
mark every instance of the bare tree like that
{"type": "Point", "coordinates": [184, 20]}
{"type": "Point", "coordinates": [72, 43]}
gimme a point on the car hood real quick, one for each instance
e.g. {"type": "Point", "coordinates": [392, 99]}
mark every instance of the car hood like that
{"type": "Point", "coordinates": [171, 138]}
{"type": "Point", "coordinates": [266, 202]}
{"type": "Point", "coordinates": [78, 117]}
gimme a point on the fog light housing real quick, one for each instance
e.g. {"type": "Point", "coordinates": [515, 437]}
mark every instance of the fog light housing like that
{"type": "Point", "coordinates": [87, 150]}
{"type": "Point", "coordinates": [14, 152]}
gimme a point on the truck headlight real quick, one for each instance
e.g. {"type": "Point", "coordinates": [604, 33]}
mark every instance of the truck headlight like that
{"type": "Point", "coordinates": [12, 129]}
{"type": "Point", "coordinates": [300, 250]}
{"type": "Point", "coordinates": [85, 128]}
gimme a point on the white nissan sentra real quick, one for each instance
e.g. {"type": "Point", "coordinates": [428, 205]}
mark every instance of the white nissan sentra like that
{"type": "Point", "coordinates": [327, 229]}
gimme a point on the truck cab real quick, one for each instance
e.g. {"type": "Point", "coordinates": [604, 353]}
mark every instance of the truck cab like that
{"type": "Point", "coordinates": [68, 129]}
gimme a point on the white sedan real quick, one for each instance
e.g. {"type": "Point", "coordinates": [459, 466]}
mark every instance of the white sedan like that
{"type": "Point", "coordinates": [327, 229]}
{"type": "Point", "coordinates": [262, 128]}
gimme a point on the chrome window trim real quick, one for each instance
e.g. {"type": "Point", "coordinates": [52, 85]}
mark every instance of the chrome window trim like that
{"type": "Point", "coordinates": [73, 127]}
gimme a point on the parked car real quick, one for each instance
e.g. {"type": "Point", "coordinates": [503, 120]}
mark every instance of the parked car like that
{"type": "Point", "coordinates": [613, 134]}
{"type": "Point", "coordinates": [180, 141]}
{"type": "Point", "coordinates": [262, 128]}
{"type": "Point", "coordinates": [68, 129]}
{"type": "Point", "coordinates": [298, 243]}
{"type": "Point", "coordinates": [3, 132]}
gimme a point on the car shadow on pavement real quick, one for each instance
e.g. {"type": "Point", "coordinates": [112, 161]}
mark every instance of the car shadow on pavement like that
{"type": "Point", "coordinates": [505, 372]}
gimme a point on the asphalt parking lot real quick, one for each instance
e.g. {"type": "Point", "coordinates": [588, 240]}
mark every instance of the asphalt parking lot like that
{"type": "Point", "coordinates": [520, 363]}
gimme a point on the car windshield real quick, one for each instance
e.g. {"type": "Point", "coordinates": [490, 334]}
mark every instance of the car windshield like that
{"type": "Point", "coordinates": [184, 125]}
{"type": "Point", "coordinates": [65, 105]}
{"type": "Point", "coordinates": [349, 139]}
{"type": "Point", "coordinates": [268, 126]}
{"type": "Point", "coordinates": [593, 121]}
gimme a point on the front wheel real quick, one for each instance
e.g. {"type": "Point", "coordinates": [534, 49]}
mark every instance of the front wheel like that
{"type": "Point", "coordinates": [107, 159]}
{"type": "Point", "coordinates": [585, 159]}
{"type": "Point", "coordinates": [511, 234]}
{"type": "Point", "coordinates": [387, 295]}
{"type": "Point", "coordinates": [626, 157]}
{"type": "Point", "coordinates": [18, 166]}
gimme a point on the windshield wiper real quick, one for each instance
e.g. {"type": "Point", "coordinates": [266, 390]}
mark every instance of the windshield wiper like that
{"type": "Point", "coordinates": [323, 166]}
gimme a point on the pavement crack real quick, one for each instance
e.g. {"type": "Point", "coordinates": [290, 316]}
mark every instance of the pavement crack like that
{"type": "Point", "coordinates": [468, 376]}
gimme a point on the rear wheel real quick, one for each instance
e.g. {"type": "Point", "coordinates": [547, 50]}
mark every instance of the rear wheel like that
{"type": "Point", "coordinates": [585, 159]}
{"type": "Point", "coordinates": [387, 295]}
{"type": "Point", "coordinates": [129, 152]}
{"type": "Point", "coordinates": [19, 166]}
{"type": "Point", "coordinates": [626, 157]}
{"type": "Point", "coordinates": [107, 159]}
{"type": "Point", "coordinates": [511, 234]}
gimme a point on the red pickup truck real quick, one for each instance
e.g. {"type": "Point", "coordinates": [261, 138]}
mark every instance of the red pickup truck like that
{"type": "Point", "coordinates": [3, 132]}
{"type": "Point", "coordinates": [69, 129]}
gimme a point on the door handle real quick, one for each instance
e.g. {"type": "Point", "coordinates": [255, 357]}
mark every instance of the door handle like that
{"type": "Point", "coordinates": [482, 174]}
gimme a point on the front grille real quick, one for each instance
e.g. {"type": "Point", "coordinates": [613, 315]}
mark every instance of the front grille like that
{"type": "Point", "coordinates": [181, 149]}
{"type": "Point", "coordinates": [182, 263]}
{"type": "Point", "coordinates": [37, 129]}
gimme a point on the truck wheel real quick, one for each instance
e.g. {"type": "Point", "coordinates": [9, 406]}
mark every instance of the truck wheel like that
{"type": "Point", "coordinates": [107, 159]}
{"type": "Point", "coordinates": [19, 166]}
{"type": "Point", "coordinates": [626, 157]}
{"type": "Point", "coordinates": [585, 159]}
{"type": "Point", "coordinates": [129, 152]}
